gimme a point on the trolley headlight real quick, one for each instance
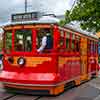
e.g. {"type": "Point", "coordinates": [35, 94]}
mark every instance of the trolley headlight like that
{"type": "Point", "coordinates": [21, 61]}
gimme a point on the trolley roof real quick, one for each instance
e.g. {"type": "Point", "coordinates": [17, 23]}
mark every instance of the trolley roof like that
{"type": "Point", "coordinates": [40, 18]}
{"type": "Point", "coordinates": [78, 29]}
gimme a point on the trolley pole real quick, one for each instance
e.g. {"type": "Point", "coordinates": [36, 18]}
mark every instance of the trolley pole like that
{"type": "Point", "coordinates": [25, 6]}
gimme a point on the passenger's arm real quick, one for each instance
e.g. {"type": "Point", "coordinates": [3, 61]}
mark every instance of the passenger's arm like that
{"type": "Point", "coordinates": [43, 44]}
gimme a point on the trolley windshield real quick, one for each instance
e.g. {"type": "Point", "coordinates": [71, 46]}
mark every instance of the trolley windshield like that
{"type": "Point", "coordinates": [23, 40]}
{"type": "Point", "coordinates": [8, 41]}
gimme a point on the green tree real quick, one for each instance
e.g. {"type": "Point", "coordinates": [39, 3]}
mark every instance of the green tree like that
{"type": "Point", "coordinates": [87, 12]}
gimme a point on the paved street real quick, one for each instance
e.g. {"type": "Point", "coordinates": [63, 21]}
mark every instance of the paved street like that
{"type": "Point", "coordinates": [87, 91]}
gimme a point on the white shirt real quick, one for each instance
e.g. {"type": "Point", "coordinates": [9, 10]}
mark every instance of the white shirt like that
{"type": "Point", "coordinates": [43, 44]}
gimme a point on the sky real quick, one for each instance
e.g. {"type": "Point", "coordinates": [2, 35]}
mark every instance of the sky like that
{"type": "Point", "coordinates": [8, 7]}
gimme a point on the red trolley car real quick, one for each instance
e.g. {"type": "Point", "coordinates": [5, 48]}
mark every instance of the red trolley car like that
{"type": "Point", "coordinates": [72, 59]}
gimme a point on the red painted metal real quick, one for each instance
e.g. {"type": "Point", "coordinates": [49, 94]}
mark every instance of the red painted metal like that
{"type": "Point", "coordinates": [48, 72]}
{"type": "Point", "coordinates": [56, 36]}
{"type": "Point", "coordinates": [33, 40]}
{"type": "Point", "coordinates": [29, 78]}
{"type": "Point", "coordinates": [92, 55]}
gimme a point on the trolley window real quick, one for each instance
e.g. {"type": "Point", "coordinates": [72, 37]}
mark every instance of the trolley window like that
{"type": "Point", "coordinates": [77, 43]}
{"type": "Point", "coordinates": [95, 47]}
{"type": "Point", "coordinates": [44, 40]}
{"type": "Point", "coordinates": [8, 41]}
{"type": "Point", "coordinates": [91, 47]}
{"type": "Point", "coordinates": [67, 40]}
{"type": "Point", "coordinates": [23, 40]}
{"type": "Point", "coordinates": [98, 45]}
{"type": "Point", "coordinates": [73, 42]}
{"type": "Point", "coordinates": [62, 39]}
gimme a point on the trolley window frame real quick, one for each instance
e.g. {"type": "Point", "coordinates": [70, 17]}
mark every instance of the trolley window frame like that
{"type": "Point", "coordinates": [68, 49]}
{"type": "Point", "coordinates": [34, 34]}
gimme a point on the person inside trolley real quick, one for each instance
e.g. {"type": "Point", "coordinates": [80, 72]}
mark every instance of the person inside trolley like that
{"type": "Point", "coordinates": [19, 44]}
{"type": "Point", "coordinates": [46, 41]}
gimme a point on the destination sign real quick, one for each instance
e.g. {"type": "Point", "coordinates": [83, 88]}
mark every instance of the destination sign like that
{"type": "Point", "coordinates": [25, 16]}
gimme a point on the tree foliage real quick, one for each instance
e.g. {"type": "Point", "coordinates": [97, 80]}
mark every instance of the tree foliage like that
{"type": "Point", "coordinates": [87, 12]}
